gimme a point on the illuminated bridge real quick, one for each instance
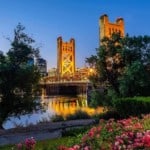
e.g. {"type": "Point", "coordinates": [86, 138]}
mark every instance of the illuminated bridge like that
{"type": "Point", "coordinates": [66, 79]}
{"type": "Point", "coordinates": [65, 87]}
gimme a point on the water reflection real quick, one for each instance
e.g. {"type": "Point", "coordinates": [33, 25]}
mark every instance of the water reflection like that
{"type": "Point", "coordinates": [65, 105]}
{"type": "Point", "coordinates": [60, 105]}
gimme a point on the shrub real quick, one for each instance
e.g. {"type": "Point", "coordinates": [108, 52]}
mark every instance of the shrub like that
{"type": "Point", "coordinates": [132, 106]}
{"type": "Point", "coordinates": [75, 131]}
{"type": "Point", "coordinates": [125, 134]}
{"type": "Point", "coordinates": [79, 114]}
{"type": "Point", "coordinates": [57, 118]}
{"type": "Point", "coordinates": [146, 121]}
{"type": "Point", "coordinates": [96, 99]}
{"type": "Point", "coordinates": [107, 115]}
{"type": "Point", "coordinates": [28, 144]}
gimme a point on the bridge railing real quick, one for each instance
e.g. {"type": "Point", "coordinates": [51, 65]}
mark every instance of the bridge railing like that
{"type": "Point", "coordinates": [67, 82]}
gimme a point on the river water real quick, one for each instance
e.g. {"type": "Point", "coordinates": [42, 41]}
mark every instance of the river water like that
{"type": "Point", "coordinates": [60, 105]}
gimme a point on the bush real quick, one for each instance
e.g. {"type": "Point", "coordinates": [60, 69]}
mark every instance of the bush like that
{"type": "Point", "coordinates": [125, 134]}
{"type": "Point", "coordinates": [75, 131]}
{"type": "Point", "coordinates": [107, 115]}
{"type": "Point", "coordinates": [57, 118]}
{"type": "Point", "coordinates": [97, 98]}
{"type": "Point", "coordinates": [79, 114]}
{"type": "Point", "coordinates": [132, 106]}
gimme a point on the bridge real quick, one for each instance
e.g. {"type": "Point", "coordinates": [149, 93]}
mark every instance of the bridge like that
{"type": "Point", "coordinates": [65, 87]}
{"type": "Point", "coordinates": [66, 79]}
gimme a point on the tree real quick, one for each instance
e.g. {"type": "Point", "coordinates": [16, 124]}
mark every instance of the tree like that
{"type": "Point", "coordinates": [110, 64]}
{"type": "Point", "coordinates": [92, 61]}
{"type": "Point", "coordinates": [19, 77]}
{"type": "Point", "coordinates": [135, 80]}
{"type": "Point", "coordinates": [123, 64]}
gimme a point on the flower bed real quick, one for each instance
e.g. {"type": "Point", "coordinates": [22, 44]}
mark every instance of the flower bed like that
{"type": "Point", "coordinates": [126, 134]}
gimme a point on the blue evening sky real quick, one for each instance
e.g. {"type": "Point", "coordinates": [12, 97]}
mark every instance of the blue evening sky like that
{"type": "Point", "coordinates": [45, 20]}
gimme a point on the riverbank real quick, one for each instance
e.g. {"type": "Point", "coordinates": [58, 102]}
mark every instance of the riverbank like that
{"type": "Point", "coordinates": [41, 131]}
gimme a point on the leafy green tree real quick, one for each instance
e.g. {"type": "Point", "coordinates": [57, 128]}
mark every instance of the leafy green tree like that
{"type": "Point", "coordinates": [92, 62]}
{"type": "Point", "coordinates": [135, 80]}
{"type": "Point", "coordinates": [110, 64]}
{"type": "Point", "coordinates": [19, 77]}
{"type": "Point", "coordinates": [123, 65]}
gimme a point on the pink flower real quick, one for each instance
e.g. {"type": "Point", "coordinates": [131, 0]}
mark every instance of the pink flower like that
{"type": "Point", "coordinates": [99, 128]}
{"type": "Point", "coordinates": [86, 148]}
{"type": "Point", "coordinates": [137, 126]}
{"type": "Point", "coordinates": [91, 134]}
{"type": "Point", "coordinates": [19, 146]}
{"type": "Point", "coordinates": [61, 147]}
{"type": "Point", "coordinates": [146, 140]}
{"type": "Point", "coordinates": [71, 148]}
{"type": "Point", "coordinates": [97, 135]}
{"type": "Point", "coordinates": [84, 138]}
{"type": "Point", "coordinates": [30, 143]}
{"type": "Point", "coordinates": [76, 147]}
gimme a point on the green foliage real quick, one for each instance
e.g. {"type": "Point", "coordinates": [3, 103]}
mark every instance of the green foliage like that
{"type": "Point", "coordinates": [75, 131]}
{"type": "Point", "coordinates": [6, 147]}
{"type": "Point", "coordinates": [57, 118]}
{"type": "Point", "coordinates": [110, 64]}
{"type": "Point", "coordinates": [112, 134]}
{"type": "Point", "coordinates": [146, 122]}
{"type": "Point", "coordinates": [132, 106]}
{"type": "Point", "coordinates": [107, 115]}
{"type": "Point", "coordinates": [123, 65]}
{"type": "Point", "coordinates": [18, 77]}
{"type": "Point", "coordinates": [106, 135]}
{"type": "Point", "coordinates": [135, 81]}
{"type": "Point", "coordinates": [79, 114]}
{"type": "Point", "coordinates": [51, 144]}
{"type": "Point", "coordinates": [97, 98]}
{"type": "Point", "coordinates": [91, 61]}
{"type": "Point", "coordinates": [102, 97]}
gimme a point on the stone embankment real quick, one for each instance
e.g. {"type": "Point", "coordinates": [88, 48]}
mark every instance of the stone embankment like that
{"type": "Point", "coordinates": [41, 131]}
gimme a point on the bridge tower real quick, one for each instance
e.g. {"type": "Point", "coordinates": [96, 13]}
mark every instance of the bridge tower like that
{"type": "Point", "coordinates": [65, 57]}
{"type": "Point", "coordinates": [106, 28]}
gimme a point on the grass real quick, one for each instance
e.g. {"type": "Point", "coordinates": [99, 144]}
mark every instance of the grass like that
{"type": "Point", "coordinates": [51, 144]}
{"type": "Point", "coordinates": [6, 147]}
{"type": "Point", "coordinates": [70, 138]}
{"type": "Point", "coordinates": [54, 143]}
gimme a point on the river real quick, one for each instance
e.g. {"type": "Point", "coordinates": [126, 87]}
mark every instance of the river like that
{"type": "Point", "coordinates": [60, 105]}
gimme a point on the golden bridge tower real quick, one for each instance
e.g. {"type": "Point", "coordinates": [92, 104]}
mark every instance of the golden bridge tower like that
{"type": "Point", "coordinates": [65, 57]}
{"type": "Point", "coordinates": [107, 28]}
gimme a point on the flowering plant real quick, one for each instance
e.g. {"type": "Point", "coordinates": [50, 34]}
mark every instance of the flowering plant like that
{"type": "Point", "coordinates": [28, 144]}
{"type": "Point", "coordinates": [125, 134]}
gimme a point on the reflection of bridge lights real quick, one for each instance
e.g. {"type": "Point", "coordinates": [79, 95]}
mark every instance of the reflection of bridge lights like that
{"type": "Point", "coordinates": [66, 106]}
